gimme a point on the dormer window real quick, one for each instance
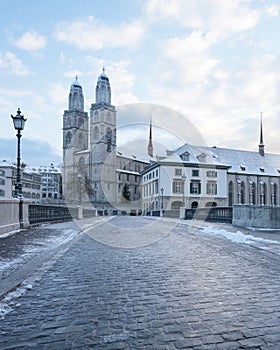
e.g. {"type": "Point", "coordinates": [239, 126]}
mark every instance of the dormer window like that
{"type": "Point", "coordinates": [185, 156]}
{"type": "Point", "coordinates": [262, 169]}
{"type": "Point", "coordinates": [201, 157]}
{"type": "Point", "coordinates": [242, 167]}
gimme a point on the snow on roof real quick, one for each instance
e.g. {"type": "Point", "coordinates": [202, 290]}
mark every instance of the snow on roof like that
{"type": "Point", "coordinates": [248, 162]}
{"type": "Point", "coordinates": [7, 163]}
{"type": "Point", "coordinates": [47, 169]}
{"type": "Point", "coordinates": [194, 155]}
{"type": "Point", "coordinates": [130, 154]}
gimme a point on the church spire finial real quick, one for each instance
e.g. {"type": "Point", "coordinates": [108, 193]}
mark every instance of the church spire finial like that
{"type": "Point", "coordinates": [103, 69]}
{"type": "Point", "coordinates": [150, 145]}
{"type": "Point", "coordinates": [261, 144]}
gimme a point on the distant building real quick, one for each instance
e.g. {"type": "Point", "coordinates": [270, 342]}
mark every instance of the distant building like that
{"type": "Point", "coordinates": [30, 178]}
{"type": "Point", "coordinates": [51, 183]}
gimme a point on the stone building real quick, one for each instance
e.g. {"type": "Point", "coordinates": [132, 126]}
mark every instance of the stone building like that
{"type": "Point", "coordinates": [95, 171]}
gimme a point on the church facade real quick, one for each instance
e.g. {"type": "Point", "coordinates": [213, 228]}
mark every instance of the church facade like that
{"type": "Point", "coordinates": [94, 170]}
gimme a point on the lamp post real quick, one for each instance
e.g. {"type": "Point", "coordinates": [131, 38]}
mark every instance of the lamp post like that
{"type": "Point", "coordinates": [161, 208]}
{"type": "Point", "coordinates": [183, 183]}
{"type": "Point", "coordinates": [95, 194]}
{"type": "Point", "coordinates": [80, 192]}
{"type": "Point", "coordinates": [19, 122]}
{"type": "Point", "coordinates": [162, 190]}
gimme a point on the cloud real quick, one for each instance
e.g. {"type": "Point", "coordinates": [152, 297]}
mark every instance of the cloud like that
{"type": "Point", "coordinates": [272, 11]}
{"type": "Point", "coordinates": [10, 63]}
{"type": "Point", "coordinates": [58, 94]}
{"type": "Point", "coordinates": [91, 33]}
{"type": "Point", "coordinates": [220, 19]}
{"type": "Point", "coordinates": [33, 152]}
{"type": "Point", "coordinates": [31, 41]}
{"type": "Point", "coordinates": [190, 54]}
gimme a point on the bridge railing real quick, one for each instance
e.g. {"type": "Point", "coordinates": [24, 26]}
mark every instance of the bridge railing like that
{"type": "Point", "coordinates": [39, 213]}
{"type": "Point", "coordinates": [212, 214]}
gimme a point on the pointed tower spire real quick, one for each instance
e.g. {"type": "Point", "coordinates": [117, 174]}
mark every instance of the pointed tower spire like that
{"type": "Point", "coordinates": [150, 145]}
{"type": "Point", "coordinates": [261, 144]}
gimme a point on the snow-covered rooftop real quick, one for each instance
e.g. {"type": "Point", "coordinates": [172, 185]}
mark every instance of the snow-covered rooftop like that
{"type": "Point", "coordinates": [248, 162]}
{"type": "Point", "coordinates": [130, 154]}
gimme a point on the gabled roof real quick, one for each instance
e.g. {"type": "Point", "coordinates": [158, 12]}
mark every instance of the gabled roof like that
{"type": "Point", "coordinates": [248, 162]}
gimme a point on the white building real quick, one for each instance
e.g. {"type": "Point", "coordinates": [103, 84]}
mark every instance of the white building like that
{"type": "Point", "coordinates": [189, 177]}
{"type": "Point", "coordinates": [51, 176]}
{"type": "Point", "coordinates": [30, 178]}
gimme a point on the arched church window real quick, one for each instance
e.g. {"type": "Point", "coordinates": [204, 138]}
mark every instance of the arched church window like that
{"type": "Point", "coordinates": [68, 121]}
{"type": "Point", "coordinates": [81, 164]}
{"type": "Point", "coordinates": [109, 139]}
{"type": "Point", "coordinates": [242, 192]}
{"type": "Point", "coordinates": [96, 133]}
{"type": "Point", "coordinates": [253, 193]}
{"type": "Point", "coordinates": [68, 138]}
{"type": "Point", "coordinates": [109, 118]}
{"type": "Point", "coordinates": [80, 139]}
{"type": "Point", "coordinates": [81, 122]}
{"type": "Point", "coordinates": [264, 194]}
{"type": "Point", "coordinates": [230, 193]}
{"type": "Point", "coordinates": [96, 116]}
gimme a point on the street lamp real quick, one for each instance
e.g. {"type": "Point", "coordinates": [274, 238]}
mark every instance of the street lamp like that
{"type": "Point", "coordinates": [19, 122]}
{"type": "Point", "coordinates": [95, 194]}
{"type": "Point", "coordinates": [162, 190]}
{"type": "Point", "coordinates": [80, 192]}
{"type": "Point", "coordinates": [183, 183]}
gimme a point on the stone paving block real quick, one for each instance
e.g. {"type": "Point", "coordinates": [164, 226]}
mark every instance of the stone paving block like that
{"type": "Point", "coordinates": [252, 342]}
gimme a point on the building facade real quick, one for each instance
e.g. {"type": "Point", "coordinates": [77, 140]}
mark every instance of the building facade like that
{"type": "Point", "coordinates": [30, 178]}
{"type": "Point", "coordinates": [95, 171]}
{"type": "Point", "coordinates": [51, 178]}
{"type": "Point", "coordinates": [188, 177]}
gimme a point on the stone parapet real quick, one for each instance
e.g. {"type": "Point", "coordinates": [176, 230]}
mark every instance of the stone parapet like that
{"type": "Point", "coordinates": [256, 216]}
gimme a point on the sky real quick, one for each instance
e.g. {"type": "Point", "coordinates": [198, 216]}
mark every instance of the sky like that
{"type": "Point", "coordinates": [214, 62]}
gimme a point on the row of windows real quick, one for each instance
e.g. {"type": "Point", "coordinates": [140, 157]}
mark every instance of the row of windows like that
{"type": "Point", "coordinates": [151, 175]}
{"type": "Point", "coordinates": [97, 117]}
{"type": "Point", "coordinates": [150, 189]}
{"type": "Point", "coordinates": [195, 187]}
{"type": "Point", "coordinates": [28, 185]}
{"type": "Point", "coordinates": [128, 177]}
{"type": "Point", "coordinates": [131, 189]}
{"type": "Point", "coordinates": [195, 173]}
{"type": "Point", "coordinates": [28, 195]}
{"type": "Point", "coordinates": [250, 196]}
{"type": "Point", "coordinates": [129, 166]}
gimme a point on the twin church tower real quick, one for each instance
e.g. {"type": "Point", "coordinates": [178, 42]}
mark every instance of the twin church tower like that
{"type": "Point", "coordinates": [93, 170]}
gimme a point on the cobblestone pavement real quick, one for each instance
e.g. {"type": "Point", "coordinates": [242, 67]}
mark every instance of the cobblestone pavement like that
{"type": "Point", "coordinates": [182, 291]}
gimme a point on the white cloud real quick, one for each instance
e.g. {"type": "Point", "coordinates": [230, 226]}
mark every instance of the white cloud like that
{"type": "Point", "coordinates": [190, 55]}
{"type": "Point", "coordinates": [219, 18]}
{"type": "Point", "coordinates": [12, 64]}
{"type": "Point", "coordinates": [31, 41]}
{"type": "Point", "coordinates": [93, 34]}
{"type": "Point", "coordinates": [272, 11]}
{"type": "Point", "coordinates": [58, 94]}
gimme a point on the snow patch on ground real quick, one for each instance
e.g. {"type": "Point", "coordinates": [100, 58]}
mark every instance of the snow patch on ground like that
{"type": "Point", "coordinates": [237, 237]}
{"type": "Point", "coordinates": [9, 301]}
